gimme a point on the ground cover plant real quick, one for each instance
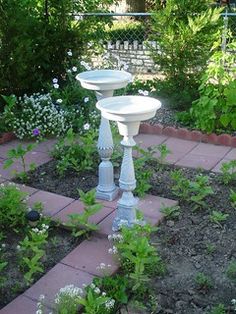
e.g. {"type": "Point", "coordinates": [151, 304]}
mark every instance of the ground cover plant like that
{"type": "Point", "coordinates": [193, 239]}
{"type": "Point", "coordinates": [26, 252]}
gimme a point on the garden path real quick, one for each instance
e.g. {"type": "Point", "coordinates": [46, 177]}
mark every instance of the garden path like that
{"type": "Point", "coordinates": [80, 266]}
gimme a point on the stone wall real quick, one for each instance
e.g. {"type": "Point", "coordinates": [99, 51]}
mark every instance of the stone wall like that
{"type": "Point", "coordinates": [137, 56]}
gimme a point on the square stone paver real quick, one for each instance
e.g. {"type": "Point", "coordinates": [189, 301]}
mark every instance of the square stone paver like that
{"type": "Point", "coordinates": [58, 277]}
{"type": "Point", "coordinates": [211, 150]}
{"type": "Point", "coordinates": [89, 254]}
{"type": "Point", "coordinates": [46, 146]}
{"type": "Point", "coordinates": [52, 203]}
{"type": "Point", "coordinates": [78, 207]}
{"type": "Point", "coordinates": [231, 154]}
{"type": "Point", "coordinates": [177, 145]}
{"type": "Point", "coordinates": [218, 166]}
{"type": "Point", "coordinates": [21, 305]}
{"type": "Point", "coordinates": [37, 157]}
{"type": "Point", "coordinates": [198, 161]}
{"type": "Point", "coordinates": [147, 140]}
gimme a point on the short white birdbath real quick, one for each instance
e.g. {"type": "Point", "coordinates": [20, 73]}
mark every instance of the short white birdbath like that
{"type": "Point", "coordinates": [128, 111]}
{"type": "Point", "coordinates": [104, 82]}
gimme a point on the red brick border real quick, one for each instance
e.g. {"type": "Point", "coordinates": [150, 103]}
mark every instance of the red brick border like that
{"type": "Point", "coordinates": [7, 137]}
{"type": "Point", "coordinates": [185, 134]}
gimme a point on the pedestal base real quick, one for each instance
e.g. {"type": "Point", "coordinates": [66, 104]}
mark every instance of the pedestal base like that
{"type": "Point", "coordinates": [108, 195]}
{"type": "Point", "coordinates": [126, 211]}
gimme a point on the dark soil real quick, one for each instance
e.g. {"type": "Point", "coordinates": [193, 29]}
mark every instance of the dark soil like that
{"type": "Point", "coordinates": [189, 245]}
{"type": "Point", "coordinates": [59, 244]}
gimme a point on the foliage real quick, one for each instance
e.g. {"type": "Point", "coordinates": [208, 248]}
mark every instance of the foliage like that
{"type": "Point", "coordinates": [233, 198]}
{"type": "Point", "coordinates": [12, 207]}
{"type": "Point", "coordinates": [19, 153]}
{"type": "Point", "coordinates": [191, 191]}
{"type": "Point", "coordinates": [3, 264]}
{"type": "Point", "coordinates": [143, 174]}
{"type": "Point", "coordinates": [218, 217]}
{"type": "Point", "coordinates": [39, 112]}
{"type": "Point", "coordinates": [215, 109]}
{"type": "Point", "coordinates": [81, 221]}
{"type": "Point", "coordinates": [137, 256]}
{"type": "Point", "coordinates": [231, 270]}
{"type": "Point", "coordinates": [228, 170]}
{"type": "Point", "coordinates": [76, 152]}
{"type": "Point", "coordinates": [31, 251]}
{"type": "Point", "coordinates": [6, 115]}
{"type": "Point", "coordinates": [184, 41]}
{"type": "Point", "coordinates": [203, 282]}
{"type": "Point", "coordinates": [35, 36]}
{"type": "Point", "coordinates": [218, 309]}
{"type": "Point", "coordinates": [171, 212]}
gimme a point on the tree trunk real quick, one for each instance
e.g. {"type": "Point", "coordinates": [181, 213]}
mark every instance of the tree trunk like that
{"type": "Point", "coordinates": [135, 5]}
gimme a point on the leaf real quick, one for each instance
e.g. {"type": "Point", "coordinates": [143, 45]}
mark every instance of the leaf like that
{"type": "Point", "coordinates": [225, 119]}
{"type": "Point", "coordinates": [8, 163]}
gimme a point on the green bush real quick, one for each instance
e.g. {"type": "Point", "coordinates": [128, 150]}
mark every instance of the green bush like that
{"type": "Point", "coordinates": [35, 36]}
{"type": "Point", "coordinates": [185, 31]}
{"type": "Point", "coordinates": [215, 109]}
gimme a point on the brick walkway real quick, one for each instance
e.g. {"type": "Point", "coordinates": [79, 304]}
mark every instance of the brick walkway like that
{"type": "Point", "coordinates": [80, 266]}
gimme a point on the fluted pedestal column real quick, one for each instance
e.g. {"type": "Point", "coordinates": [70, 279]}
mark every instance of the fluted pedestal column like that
{"type": "Point", "coordinates": [106, 189]}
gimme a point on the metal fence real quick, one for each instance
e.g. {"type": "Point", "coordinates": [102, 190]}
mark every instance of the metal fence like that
{"type": "Point", "coordinates": [126, 35]}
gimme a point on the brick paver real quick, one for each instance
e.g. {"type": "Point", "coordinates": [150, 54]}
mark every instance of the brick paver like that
{"type": "Point", "coordinates": [58, 277]}
{"type": "Point", "coordinates": [21, 305]}
{"type": "Point", "coordinates": [198, 161]}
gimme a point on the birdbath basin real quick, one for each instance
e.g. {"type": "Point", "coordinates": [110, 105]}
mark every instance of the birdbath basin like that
{"type": "Point", "coordinates": [128, 112]}
{"type": "Point", "coordinates": [104, 82]}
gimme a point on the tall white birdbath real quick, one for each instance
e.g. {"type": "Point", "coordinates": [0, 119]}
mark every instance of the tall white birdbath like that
{"type": "Point", "coordinates": [128, 111]}
{"type": "Point", "coordinates": [104, 82]}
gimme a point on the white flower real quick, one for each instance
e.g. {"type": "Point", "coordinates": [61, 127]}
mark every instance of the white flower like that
{"type": "Point", "coordinates": [59, 101]}
{"type": "Point", "coordinates": [97, 290]}
{"type": "Point", "coordinates": [69, 53]}
{"type": "Point", "coordinates": [145, 93]}
{"type": "Point", "coordinates": [55, 81]}
{"type": "Point", "coordinates": [74, 69]}
{"type": "Point", "coordinates": [68, 71]}
{"type": "Point", "coordinates": [86, 99]}
{"type": "Point", "coordinates": [140, 91]}
{"type": "Point", "coordinates": [56, 86]}
{"type": "Point", "coordinates": [92, 286]}
{"type": "Point", "coordinates": [3, 245]}
{"type": "Point", "coordinates": [110, 304]}
{"type": "Point", "coordinates": [18, 247]}
{"type": "Point", "coordinates": [41, 297]}
{"type": "Point", "coordinates": [86, 126]}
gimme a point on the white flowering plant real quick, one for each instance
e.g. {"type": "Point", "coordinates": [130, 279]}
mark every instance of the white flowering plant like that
{"type": "Point", "coordinates": [39, 112]}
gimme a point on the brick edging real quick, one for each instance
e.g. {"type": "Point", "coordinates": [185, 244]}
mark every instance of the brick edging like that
{"type": "Point", "coordinates": [185, 134]}
{"type": "Point", "coordinates": [7, 137]}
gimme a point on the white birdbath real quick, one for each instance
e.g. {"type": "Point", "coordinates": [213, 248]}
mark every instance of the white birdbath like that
{"type": "Point", "coordinates": [128, 111]}
{"type": "Point", "coordinates": [104, 82]}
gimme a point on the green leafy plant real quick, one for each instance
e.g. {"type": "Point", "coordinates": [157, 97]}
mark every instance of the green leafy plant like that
{"type": "Point", "coordinates": [218, 217]}
{"type": "Point", "coordinates": [171, 212]}
{"type": "Point", "coordinates": [76, 152]}
{"type": "Point", "coordinates": [139, 258]}
{"type": "Point", "coordinates": [215, 109]}
{"type": "Point", "coordinates": [228, 170]}
{"type": "Point", "coordinates": [231, 270]}
{"type": "Point", "coordinates": [6, 115]}
{"type": "Point", "coordinates": [19, 153]}
{"type": "Point", "coordinates": [80, 222]}
{"type": "Point", "coordinates": [191, 191]}
{"type": "Point", "coordinates": [3, 265]}
{"type": "Point", "coordinates": [12, 207]}
{"type": "Point", "coordinates": [218, 309]}
{"type": "Point", "coordinates": [233, 198]}
{"type": "Point", "coordinates": [31, 251]}
{"type": "Point", "coordinates": [211, 248]}
{"type": "Point", "coordinates": [184, 44]}
{"type": "Point", "coordinates": [203, 282]}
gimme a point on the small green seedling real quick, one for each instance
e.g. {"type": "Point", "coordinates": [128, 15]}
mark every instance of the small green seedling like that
{"type": "Point", "coordinates": [171, 212]}
{"type": "Point", "coordinates": [218, 309]}
{"type": "Point", "coordinates": [231, 271]}
{"type": "Point", "coordinates": [228, 170]}
{"type": "Point", "coordinates": [233, 198]}
{"type": "Point", "coordinates": [218, 217]}
{"type": "Point", "coordinates": [203, 282]}
{"type": "Point", "coordinates": [210, 248]}
{"type": "Point", "coordinates": [19, 153]}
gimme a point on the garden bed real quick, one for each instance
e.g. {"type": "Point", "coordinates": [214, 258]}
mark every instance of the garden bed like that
{"type": "Point", "coordinates": [59, 244]}
{"type": "Point", "coordinates": [189, 245]}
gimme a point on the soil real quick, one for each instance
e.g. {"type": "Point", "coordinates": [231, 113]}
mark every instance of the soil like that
{"type": "Point", "coordinates": [189, 245]}
{"type": "Point", "coordinates": [60, 243]}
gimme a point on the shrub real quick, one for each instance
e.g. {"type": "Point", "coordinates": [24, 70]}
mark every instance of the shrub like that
{"type": "Point", "coordinates": [215, 109]}
{"type": "Point", "coordinates": [35, 36]}
{"type": "Point", "coordinates": [185, 32]}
